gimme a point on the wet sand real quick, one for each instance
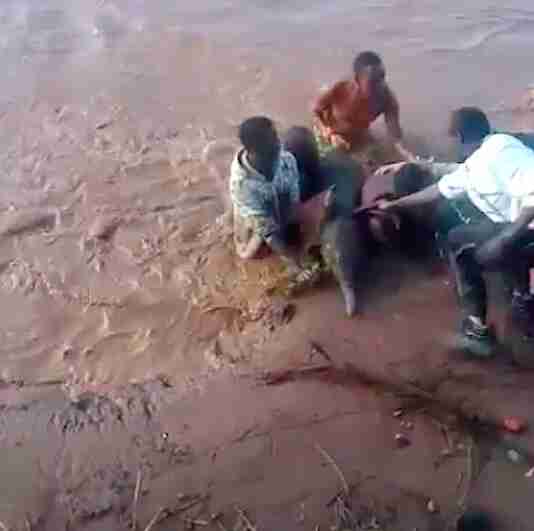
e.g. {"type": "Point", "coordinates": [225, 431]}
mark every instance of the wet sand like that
{"type": "Point", "coordinates": [117, 269]}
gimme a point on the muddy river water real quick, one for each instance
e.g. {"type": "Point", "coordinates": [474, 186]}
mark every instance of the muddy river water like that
{"type": "Point", "coordinates": [105, 110]}
{"type": "Point", "coordinates": [115, 266]}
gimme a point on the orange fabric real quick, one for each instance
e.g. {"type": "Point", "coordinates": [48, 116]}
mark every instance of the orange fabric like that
{"type": "Point", "coordinates": [347, 114]}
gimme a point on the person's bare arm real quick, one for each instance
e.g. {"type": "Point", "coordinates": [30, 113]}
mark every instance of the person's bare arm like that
{"type": "Point", "coordinates": [251, 249]}
{"type": "Point", "coordinates": [275, 242]}
{"type": "Point", "coordinates": [392, 119]}
{"type": "Point", "coordinates": [280, 247]}
{"type": "Point", "coordinates": [322, 107]}
{"type": "Point", "coordinates": [424, 197]}
{"type": "Point", "coordinates": [437, 169]}
{"type": "Point", "coordinates": [494, 250]}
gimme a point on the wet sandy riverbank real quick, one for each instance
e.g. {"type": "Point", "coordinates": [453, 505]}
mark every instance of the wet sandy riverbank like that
{"type": "Point", "coordinates": [114, 269]}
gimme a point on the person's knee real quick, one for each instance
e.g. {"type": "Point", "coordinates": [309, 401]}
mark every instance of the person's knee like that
{"type": "Point", "coordinates": [458, 237]}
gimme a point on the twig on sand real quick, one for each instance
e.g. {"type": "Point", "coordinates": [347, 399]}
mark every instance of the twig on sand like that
{"type": "Point", "coordinates": [344, 517]}
{"type": "Point", "coordinates": [155, 519]}
{"type": "Point", "coordinates": [246, 433]}
{"type": "Point", "coordinates": [285, 375]}
{"type": "Point", "coordinates": [336, 468]}
{"type": "Point", "coordinates": [217, 518]}
{"type": "Point", "coordinates": [137, 492]}
{"type": "Point", "coordinates": [468, 476]}
{"type": "Point", "coordinates": [188, 505]}
{"type": "Point", "coordinates": [444, 430]}
{"type": "Point", "coordinates": [193, 522]}
{"type": "Point", "coordinates": [318, 349]}
{"type": "Point", "coordinates": [415, 390]}
{"type": "Point", "coordinates": [213, 309]}
{"type": "Point", "coordinates": [166, 512]}
{"type": "Point", "coordinates": [468, 480]}
{"type": "Point", "coordinates": [244, 518]}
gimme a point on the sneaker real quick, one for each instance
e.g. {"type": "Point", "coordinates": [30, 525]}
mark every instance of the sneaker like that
{"type": "Point", "coordinates": [477, 340]}
{"type": "Point", "coordinates": [523, 315]}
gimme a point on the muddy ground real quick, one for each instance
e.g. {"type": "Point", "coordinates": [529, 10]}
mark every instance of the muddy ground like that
{"type": "Point", "coordinates": [134, 344]}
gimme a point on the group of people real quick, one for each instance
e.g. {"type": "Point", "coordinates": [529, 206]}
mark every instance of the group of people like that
{"type": "Point", "coordinates": [487, 196]}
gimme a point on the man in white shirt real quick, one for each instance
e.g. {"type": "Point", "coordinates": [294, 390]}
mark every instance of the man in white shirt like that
{"type": "Point", "coordinates": [498, 179]}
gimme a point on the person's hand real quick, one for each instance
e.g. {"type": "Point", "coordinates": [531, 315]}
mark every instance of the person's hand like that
{"type": "Point", "coordinates": [293, 261]}
{"type": "Point", "coordinates": [339, 142]}
{"type": "Point", "coordinates": [386, 205]}
{"type": "Point", "coordinates": [389, 168]}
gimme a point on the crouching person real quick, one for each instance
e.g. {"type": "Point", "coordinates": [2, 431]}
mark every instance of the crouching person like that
{"type": "Point", "coordinates": [264, 189]}
{"type": "Point", "coordinates": [497, 180]}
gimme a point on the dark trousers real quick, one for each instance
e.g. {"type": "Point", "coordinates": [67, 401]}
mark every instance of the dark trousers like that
{"type": "Point", "coordinates": [463, 241]}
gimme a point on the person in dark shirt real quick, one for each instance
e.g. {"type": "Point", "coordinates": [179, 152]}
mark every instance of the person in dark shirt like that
{"type": "Point", "coordinates": [318, 173]}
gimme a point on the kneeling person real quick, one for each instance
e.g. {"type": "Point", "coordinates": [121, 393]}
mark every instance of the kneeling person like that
{"type": "Point", "coordinates": [264, 188]}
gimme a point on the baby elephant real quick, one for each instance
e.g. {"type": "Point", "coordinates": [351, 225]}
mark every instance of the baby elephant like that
{"type": "Point", "coordinates": [337, 180]}
{"type": "Point", "coordinates": [343, 247]}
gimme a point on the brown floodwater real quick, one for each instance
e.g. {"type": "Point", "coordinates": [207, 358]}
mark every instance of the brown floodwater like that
{"type": "Point", "coordinates": [115, 263]}
{"type": "Point", "coordinates": [105, 110]}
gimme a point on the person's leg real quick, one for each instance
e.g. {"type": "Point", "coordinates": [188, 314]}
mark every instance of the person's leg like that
{"type": "Point", "coordinates": [470, 284]}
{"type": "Point", "coordinates": [517, 275]}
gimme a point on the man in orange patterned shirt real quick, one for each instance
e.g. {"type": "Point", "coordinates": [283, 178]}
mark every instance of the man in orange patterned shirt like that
{"type": "Point", "coordinates": [346, 110]}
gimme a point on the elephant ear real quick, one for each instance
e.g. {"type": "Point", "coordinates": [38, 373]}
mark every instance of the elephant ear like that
{"type": "Point", "coordinates": [311, 216]}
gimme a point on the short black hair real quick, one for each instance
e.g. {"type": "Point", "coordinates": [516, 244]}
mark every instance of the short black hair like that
{"type": "Point", "coordinates": [365, 59]}
{"type": "Point", "coordinates": [255, 132]}
{"type": "Point", "coordinates": [470, 123]}
{"type": "Point", "coordinates": [474, 521]}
